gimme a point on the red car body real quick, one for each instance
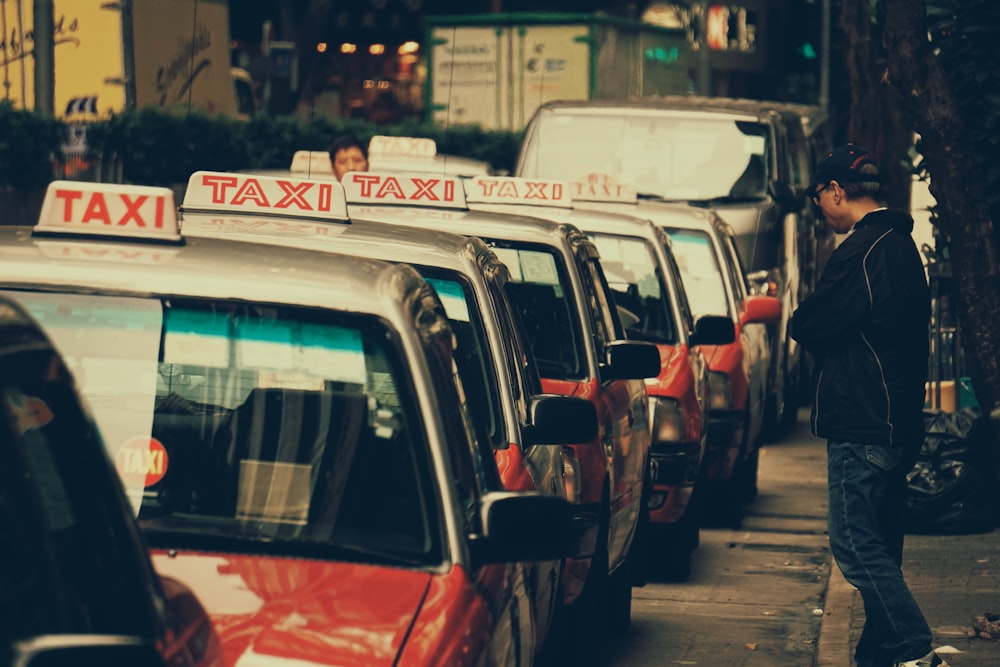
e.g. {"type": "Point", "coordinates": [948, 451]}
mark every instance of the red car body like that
{"type": "Point", "coordinates": [608, 474]}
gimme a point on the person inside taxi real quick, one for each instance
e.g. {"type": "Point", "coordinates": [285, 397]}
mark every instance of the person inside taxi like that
{"type": "Point", "coordinates": [348, 154]}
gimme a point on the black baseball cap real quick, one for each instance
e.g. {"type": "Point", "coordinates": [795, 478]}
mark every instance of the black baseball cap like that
{"type": "Point", "coordinates": [843, 164]}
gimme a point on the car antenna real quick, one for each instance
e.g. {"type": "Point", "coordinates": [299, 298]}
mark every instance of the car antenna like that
{"type": "Point", "coordinates": [451, 91]}
{"type": "Point", "coordinates": [194, 35]}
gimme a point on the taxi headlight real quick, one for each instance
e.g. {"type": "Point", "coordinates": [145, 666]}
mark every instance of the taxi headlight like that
{"type": "Point", "coordinates": [719, 391]}
{"type": "Point", "coordinates": [667, 419]}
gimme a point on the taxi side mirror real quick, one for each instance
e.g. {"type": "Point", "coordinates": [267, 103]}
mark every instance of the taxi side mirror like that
{"type": "Point", "coordinates": [521, 526]}
{"type": "Point", "coordinates": [760, 308]}
{"type": "Point", "coordinates": [713, 330]}
{"type": "Point", "coordinates": [72, 650]}
{"type": "Point", "coordinates": [560, 420]}
{"type": "Point", "coordinates": [631, 360]}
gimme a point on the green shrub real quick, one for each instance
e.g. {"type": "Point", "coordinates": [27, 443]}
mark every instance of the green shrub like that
{"type": "Point", "coordinates": [29, 143]}
{"type": "Point", "coordinates": [159, 148]}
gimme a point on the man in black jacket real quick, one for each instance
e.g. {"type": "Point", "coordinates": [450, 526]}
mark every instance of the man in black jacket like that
{"type": "Point", "coordinates": [866, 325]}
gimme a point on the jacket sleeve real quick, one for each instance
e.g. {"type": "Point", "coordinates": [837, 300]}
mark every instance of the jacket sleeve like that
{"type": "Point", "coordinates": [829, 318]}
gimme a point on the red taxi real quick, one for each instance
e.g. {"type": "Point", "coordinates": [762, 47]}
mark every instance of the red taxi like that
{"type": "Point", "coordinates": [292, 431]}
{"type": "Point", "coordinates": [716, 284]}
{"type": "Point", "coordinates": [560, 291]}
{"type": "Point", "coordinates": [516, 422]}
{"type": "Point", "coordinates": [643, 277]}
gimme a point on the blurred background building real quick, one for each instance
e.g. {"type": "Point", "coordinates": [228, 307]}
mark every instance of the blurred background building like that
{"type": "Point", "coordinates": [368, 59]}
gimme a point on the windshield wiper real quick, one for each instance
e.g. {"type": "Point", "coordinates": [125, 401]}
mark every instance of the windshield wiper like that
{"type": "Point", "coordinates": [237, 540]}
{"type": "Point", "coordinates": [725, 199]}
{"type": "Point", "coordinates": [648, 196]}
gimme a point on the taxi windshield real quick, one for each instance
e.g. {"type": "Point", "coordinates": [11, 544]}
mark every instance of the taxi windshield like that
{"type": "Point", "coordinates": [636, 281]}
{"type": "Point", "coordinates": [700, 271]}
{"type": "Point", "coordinates": [472, 352]}
{"type": "Point", "coordinates": [251, 428]}
{"type": "Point", "coordinates": [658, 155]}
{"type": "Point", "coordinates": [541, 292]}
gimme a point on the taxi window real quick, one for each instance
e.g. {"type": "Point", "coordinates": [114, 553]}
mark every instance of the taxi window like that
{"type": "Point", "coordinates": [542, 294]}
{"type": "Point", "coordinates": [736, 269]}
{"type": "Point", "coordinates": [71, 562]}
{"type": "Point", "coordinates": [703, 278]}
{"type": "Point", "coordinates": [472, 472]}
{"type": "Point", "coordinates": [636, 281]}
{"type": "Point", "coordinates": [472, 353]}
{"type": "Point", "coordinates": [252, 428]}
{"type": "Point", "coordinates": [600, 304]}
{"type": "Point", "coordinates": [524, 372]}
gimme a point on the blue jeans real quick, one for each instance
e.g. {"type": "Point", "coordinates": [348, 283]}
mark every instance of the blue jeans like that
{"type": "Point", "coordinates": [867, 487]}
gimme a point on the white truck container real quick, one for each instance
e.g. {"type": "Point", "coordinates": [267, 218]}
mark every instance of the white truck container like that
{"type": "Point", "coordinates": [494, 70]}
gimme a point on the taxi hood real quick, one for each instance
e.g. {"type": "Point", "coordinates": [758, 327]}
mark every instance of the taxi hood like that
{"type": "Point", "coordinates": [275, 611]}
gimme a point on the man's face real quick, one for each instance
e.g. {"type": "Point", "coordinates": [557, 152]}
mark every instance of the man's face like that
{"type": "Point", "coordinates": [829, 198]}
{"type": "Point", "coordinates": [349, 159]}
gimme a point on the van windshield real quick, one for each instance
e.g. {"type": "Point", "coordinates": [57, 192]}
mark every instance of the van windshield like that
{"type": "Point", "coordinates": [251, 428]}
{"type": "Point", "coordinates": [663, 156]}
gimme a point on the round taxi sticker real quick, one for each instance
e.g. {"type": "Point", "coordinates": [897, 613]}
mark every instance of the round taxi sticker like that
{"type": "Point", "coordinates": [142, 460]}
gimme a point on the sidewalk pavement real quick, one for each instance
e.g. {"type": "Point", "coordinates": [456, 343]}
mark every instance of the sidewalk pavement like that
{"type": "Point", "coordinates": [953, 577]}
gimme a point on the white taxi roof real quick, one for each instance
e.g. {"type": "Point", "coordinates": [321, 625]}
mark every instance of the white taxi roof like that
{"type": "Point", "coordinates": [109, 238]}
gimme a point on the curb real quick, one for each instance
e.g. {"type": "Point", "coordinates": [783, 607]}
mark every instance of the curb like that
{"type": "Point", "coordinates": [833, 648]}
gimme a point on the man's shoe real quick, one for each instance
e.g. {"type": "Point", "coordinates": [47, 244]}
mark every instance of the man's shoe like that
{"type": "Point", "coordinates": [932, 659]}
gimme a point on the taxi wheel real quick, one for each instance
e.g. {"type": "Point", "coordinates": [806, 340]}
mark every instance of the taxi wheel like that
{"type": "Point", "coordinates": [746, 476]}
{"type": "Point", "coordinates": [790, 407]}
{"type": "Point", "coordinates": [620, 600]}
{"type": "Point", "coordinates": [640, 551]}
{"type": "Point", "coordinates": [677, 541]}
{"type": "Point", "coordinates": [586, 627]}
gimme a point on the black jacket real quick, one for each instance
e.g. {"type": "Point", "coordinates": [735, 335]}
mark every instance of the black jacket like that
{"type": "Point", "coordinates": [867, 327]}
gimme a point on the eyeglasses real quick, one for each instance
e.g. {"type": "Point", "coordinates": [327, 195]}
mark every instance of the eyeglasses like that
{"type": "Point", "coordinates": [816, 195]}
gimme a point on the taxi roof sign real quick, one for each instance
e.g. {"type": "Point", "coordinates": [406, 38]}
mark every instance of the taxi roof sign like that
{"type": "Point", "coordinates": [265, 195]}
{"type": "Point", "coordinates": [390, 188]}
{"type": "Point", "coordinates": [599, 187]}
{"type": "Point", "coordinates": [109, 209]}
{"type": "Point", "coordinates": [402, 146]}
{"type": "Point", "coordinates": [311, 162]}
{"type": "Point", "coordinates": [515, 190]}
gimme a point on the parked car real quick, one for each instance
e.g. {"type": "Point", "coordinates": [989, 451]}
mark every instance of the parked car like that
{"type": "Point", "coordinates": [520, 426]}
{"type": "Point", "coordinates": [730, 156]}
{"type": "Point", "coordinates": [716, 283]}
{"type": "Point", "coordinates": [78, 586]}
{"type": "Point", "coordinates": [292, 431]}
{"type": "Point", "coordinates": [650, 299]}
{"type": "Point", "coordinates": [560, 291]}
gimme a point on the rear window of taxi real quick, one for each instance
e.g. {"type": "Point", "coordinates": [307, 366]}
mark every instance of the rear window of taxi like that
{"type": "Point", "coordinates": [245, 427]}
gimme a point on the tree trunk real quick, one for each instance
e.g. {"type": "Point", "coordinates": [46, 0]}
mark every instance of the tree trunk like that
{"type": "Point", "coordinates": [877, 120]}
{"type": "Point", "coordinates": [963, 215]}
